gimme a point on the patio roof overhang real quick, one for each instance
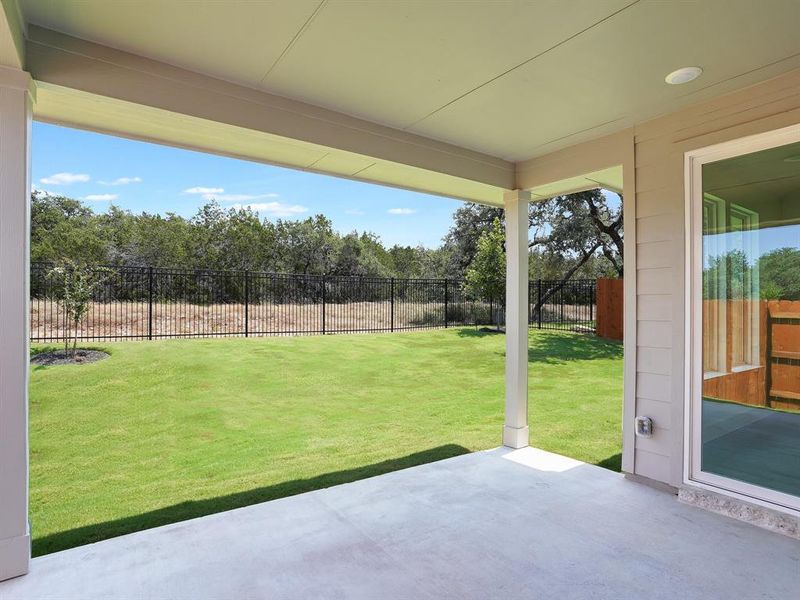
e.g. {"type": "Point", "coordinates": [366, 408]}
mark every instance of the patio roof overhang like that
{"type": "Point", "coordinates": [95, 87]}
{"type": "Point", "coordinates": [392, 93]}
{"type": "Point", "coordinates": [496, 103]}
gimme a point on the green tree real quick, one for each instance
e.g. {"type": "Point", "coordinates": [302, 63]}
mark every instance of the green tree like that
{"type": "Point", "coordinates": [247, 242]}
{"type": "Point", "coordinates": [779, 273]}
{"type": "Point", "coordinates": [579, 226]}
{"type": "Point", "coordinates": [578, 235]}
{"type": "Point", "coordinates": [305, 246]}
{"type": "Point", "coordinates": [470, 221]}
{"type": "Point", "coordinates": [486, 275]}
{"type": "Point", "coordinates": [64, 228]}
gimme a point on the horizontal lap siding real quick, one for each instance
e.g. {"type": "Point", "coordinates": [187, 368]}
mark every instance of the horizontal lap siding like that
{"type": "Point", "coordinates": [660, 241]}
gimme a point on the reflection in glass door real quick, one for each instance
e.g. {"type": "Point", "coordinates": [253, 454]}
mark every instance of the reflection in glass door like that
{"type": "Point", "coordinates": [745, 433]}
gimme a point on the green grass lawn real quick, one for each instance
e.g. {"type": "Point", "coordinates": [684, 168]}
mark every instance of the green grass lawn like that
{"type": "Point", "coordinates": [169, 430]}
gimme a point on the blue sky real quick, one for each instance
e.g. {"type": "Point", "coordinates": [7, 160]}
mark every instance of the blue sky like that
{"type": "Point", "coordinates": [137, 176]}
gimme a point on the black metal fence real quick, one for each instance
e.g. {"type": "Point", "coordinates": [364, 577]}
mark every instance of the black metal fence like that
{"type": "Point", "coordinates": [572, 305]}
{"type": "Point", "coordinates": [151, 303]}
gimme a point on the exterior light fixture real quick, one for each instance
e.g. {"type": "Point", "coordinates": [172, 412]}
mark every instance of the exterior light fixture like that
{"type": "Point", "coordinates": [683, 75]}
{"type": "Point", "coordinates": [644, 427]}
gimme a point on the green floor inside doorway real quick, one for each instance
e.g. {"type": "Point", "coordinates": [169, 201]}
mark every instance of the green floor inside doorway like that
{"type": "Point", "coordinates": [756, 445]}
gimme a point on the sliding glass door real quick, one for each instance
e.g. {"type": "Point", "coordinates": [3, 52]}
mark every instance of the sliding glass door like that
{"type": "Point", "coordinates": [744, 309]}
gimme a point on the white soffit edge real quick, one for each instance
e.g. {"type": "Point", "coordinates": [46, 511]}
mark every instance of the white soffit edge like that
{"type": "Point", "coordinates": [70, 107]}
{"type": "Point", "coordinates": [12, 35]}
{"type": "Point", "coordinates": [607, 179]}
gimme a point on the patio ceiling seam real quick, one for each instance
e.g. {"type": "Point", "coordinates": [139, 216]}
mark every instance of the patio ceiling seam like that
{"type": "Point", "coordinates": [294, 40]}
{"type": "Point", "coordinates": [574, 133]}
{"type": "Point", "coordinates": [523, 63]}
{"type": "Point", "coordinates": [369, 166]}
{"type": "Point", "coordinates": [316, 160]}
{"type": "Point", "coordinates": [738, 75]}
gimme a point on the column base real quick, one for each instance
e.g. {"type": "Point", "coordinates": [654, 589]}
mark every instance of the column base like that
{"type": "Point", "coordinates": [515, 437]}
{"type": "Point", "coordinates": [15, 555]}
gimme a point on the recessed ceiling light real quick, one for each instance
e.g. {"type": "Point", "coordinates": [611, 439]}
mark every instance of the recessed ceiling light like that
{"type": "Point", "coordinates": [683, 75]}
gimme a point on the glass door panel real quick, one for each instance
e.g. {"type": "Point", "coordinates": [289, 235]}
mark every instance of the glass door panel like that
{"type": "Point", "coordinates": [750, 406]}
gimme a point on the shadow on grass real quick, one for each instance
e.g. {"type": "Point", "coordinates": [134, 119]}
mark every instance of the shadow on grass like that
{"type": "Point", "coordinates": [478, 331]}
{"type": "Point", "coordinates": [612, 463]}
{"type": "Point", "coordinates": [199, 508]}
{"type": "Point", "coordinates": [557, 347]}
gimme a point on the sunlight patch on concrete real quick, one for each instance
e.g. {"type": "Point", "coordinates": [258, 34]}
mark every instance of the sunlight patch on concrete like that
{"type": "Point", "coordinates": [541, 460]}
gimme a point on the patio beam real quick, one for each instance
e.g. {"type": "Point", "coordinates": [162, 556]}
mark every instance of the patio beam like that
{"type": "Point", "coordinates": [515, 430]}
{"type": "Point", "coordinates": [83, 81]}
{"type": "Point", "coordinates": [15, 127]}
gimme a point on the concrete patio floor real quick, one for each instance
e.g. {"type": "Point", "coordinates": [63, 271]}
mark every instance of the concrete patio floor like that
{"type": "Point", "coordinates": [496, 524]}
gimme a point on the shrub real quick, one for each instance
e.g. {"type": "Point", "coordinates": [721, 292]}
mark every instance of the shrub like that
{"type": "Point", "coordinates": [75, 285]}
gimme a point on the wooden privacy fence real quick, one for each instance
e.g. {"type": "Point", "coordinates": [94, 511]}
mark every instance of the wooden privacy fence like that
{"type": "Point", "coordinates": [773, 377]}
{"type": "Point", "coordinates": [610, 308]}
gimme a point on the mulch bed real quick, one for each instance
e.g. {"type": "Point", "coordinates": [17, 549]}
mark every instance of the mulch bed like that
{"type": "Point", "coordinates": [59, 357]}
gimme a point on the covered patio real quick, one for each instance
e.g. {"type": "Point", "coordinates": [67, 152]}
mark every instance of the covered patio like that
{"type": "Point", "coordinates": [496, 103]}
{"type": "Point", "coordinates": [496, 524]}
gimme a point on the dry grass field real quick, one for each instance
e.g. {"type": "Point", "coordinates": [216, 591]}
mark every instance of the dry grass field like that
{"type": "Point", "coordinates": [131, 320]}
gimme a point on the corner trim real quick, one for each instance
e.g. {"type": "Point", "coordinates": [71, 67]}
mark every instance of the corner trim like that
{"type": "Point", "coordinates": [15, 556]}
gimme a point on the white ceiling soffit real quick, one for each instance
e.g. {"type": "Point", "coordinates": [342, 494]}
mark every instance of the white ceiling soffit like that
{"type": "Point", "coordinates": [607, 179]}
{"type": "Point", "coordinates": [509, 79]}
{"type": "Point", "coordinates": [62, 105]}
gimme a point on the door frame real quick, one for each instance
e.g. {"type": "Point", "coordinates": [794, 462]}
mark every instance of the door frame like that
{"type": "Point", "coordinates": [693, 332]}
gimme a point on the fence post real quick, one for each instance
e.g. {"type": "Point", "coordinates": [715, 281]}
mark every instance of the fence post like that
{"type": "Point", "coordinates": [539, 303]}
{"type": "Point", "coordinates": [531, 303]}
{"type": "Point", "coordinates": [391, 311]}
{"type": "Point", "coordinates": [591, 300]}
{"type": "Point", "coordinates": [445, 303]}
{"type": "Point", "coordinates": [491, 312]}
{"type": "Point", "coordinates": [324, 285]}
{"type": "Point", "coordinates": [150, 303]}
{"type": "Point", "coordinates": [246, 303]}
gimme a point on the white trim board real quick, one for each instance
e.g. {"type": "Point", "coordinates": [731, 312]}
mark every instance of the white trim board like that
{"type": "Point", "coordinates": [693, 331]}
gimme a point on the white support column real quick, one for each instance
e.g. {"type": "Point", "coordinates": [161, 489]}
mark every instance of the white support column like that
{"type": "Point", "coordinates": [15, 126]}
{"type": "Point", "coordinates": [515, 430]}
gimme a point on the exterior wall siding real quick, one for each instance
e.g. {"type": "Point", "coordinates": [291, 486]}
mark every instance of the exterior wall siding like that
{"type": "Point", "coordinates": [660, 145]}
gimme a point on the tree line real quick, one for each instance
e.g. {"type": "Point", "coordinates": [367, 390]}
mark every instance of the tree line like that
{"type": "Point", "coordinates": [733, 275]}
{"type": "Point", "coordinates": [578, 235]}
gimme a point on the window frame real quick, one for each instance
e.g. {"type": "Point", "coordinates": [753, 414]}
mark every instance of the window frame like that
{"type": "Point", "coordinates": [693, 475]}
{"type": "Point", "coordinates": [716, 207]}
{"type": "Point", "coordinates": [749, 248]}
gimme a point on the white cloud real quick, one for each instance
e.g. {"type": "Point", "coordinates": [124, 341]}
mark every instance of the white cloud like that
{"type": "Point", "coordinates": [240, 197]}
{"type": "Point", "coordinates": [204, 190]}
{"type": "Point", "coordinates": [64, 178]}
{"type": "Point", "coordinates": [274, 209]}
{"type": "Point", "coordinates": [213, 193]}
{"type": "Point", "coordinates": [401, 211]}
{"type": "Point", "coordinates": [101, 197]}
{"type": "Point", "coordinates": [355, 211]}
{"type": "Point", "coordinates": [122, 181]}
